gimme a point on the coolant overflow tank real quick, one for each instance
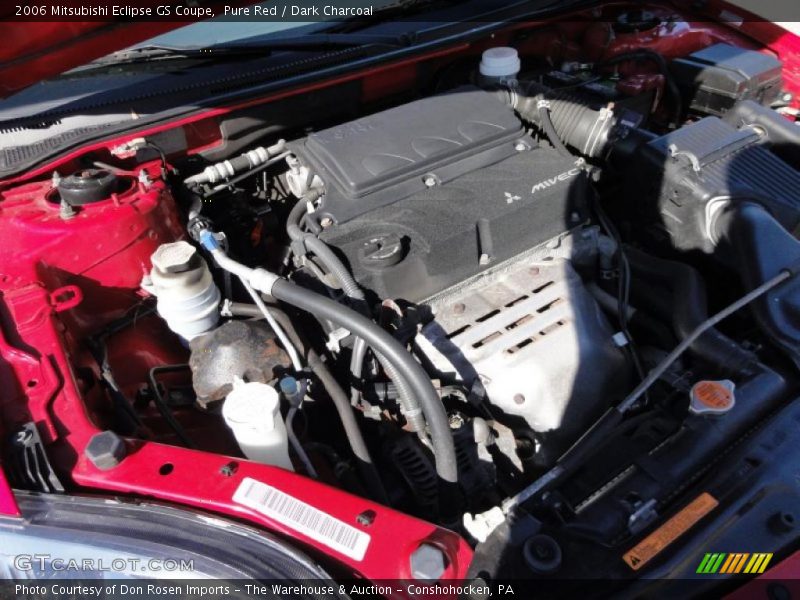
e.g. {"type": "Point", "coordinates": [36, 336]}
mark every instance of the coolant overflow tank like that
{"type": "Point", "coordinates": [188, 299]}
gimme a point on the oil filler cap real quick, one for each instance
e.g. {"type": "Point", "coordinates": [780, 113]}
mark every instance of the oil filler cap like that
{"type": "Point", "coordinates": [712, 397]}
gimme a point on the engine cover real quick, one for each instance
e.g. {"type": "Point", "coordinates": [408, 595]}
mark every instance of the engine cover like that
{"type": "Point", "coordinates": [434, 239]}
{"type": "Point", "coordinates": [382, 158]}
{"type": "Point", "coordinates": [425, 195]}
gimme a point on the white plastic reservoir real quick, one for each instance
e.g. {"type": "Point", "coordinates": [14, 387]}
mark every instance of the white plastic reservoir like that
{"type": "Point", "coordinates": [253, 412]}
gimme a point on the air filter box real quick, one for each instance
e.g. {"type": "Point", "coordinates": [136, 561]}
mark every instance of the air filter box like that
{"type": "Point", "coordinates": [715, 78]}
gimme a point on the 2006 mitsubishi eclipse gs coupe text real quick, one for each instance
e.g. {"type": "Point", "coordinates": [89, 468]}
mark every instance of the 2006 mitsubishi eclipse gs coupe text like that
{"type": "Point", "coordinates": [486, 293]}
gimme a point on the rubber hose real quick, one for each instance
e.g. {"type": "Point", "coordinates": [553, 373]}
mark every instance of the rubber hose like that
{"type": "Point", "coordinates": [410, 408]}
{"type": "Point", "coordinates": [550, 132]}
{"type": "Point", "coordinates": [408, 401]}
{"type": "Point", "coordinates": [352, 431]}
{"type": "Point", "coordinates": [335, 266]}
{"type": "Point", "coordinates": [575, 122]}
{"type": "Point", "coordinates": [293, 221]}
{"type": "Point", "coordinates": [412, 371]}
{"type": "Point", "coordinates": [688, 309]}
{"type": "Point", "coordinates": [780, 135]}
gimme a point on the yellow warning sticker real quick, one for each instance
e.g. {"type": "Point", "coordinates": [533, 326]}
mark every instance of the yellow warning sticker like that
{"type": "Point", "coordinates": [676, 526]}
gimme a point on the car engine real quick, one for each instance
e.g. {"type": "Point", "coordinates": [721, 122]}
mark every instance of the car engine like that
{"type": "Point", "coordinates": [496, 300]}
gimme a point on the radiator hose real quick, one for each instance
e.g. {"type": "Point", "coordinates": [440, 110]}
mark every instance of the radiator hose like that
{"type": "Point", "coordinates": [685, 305]}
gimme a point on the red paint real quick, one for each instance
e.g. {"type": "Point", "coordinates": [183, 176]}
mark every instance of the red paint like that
{"type": "Point", "coordinates": [8, 504]}
{"type": "Point", "coordinates": [32, 52]}
{"type": "Point", "coordinates": [103, 251]}
{"type": "Point", "coordinates": [195, 480]}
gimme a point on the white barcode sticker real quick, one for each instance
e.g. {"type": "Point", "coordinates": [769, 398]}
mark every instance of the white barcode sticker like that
{"type": "Point", "coordinates": [303, 517]}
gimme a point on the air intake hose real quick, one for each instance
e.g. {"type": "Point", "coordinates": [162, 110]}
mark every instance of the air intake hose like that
{"type": "Point", "coordinates": [587, 130]}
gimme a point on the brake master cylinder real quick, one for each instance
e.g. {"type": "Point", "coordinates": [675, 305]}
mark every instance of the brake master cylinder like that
{"type": "Point", "coordinates": [188, 299]}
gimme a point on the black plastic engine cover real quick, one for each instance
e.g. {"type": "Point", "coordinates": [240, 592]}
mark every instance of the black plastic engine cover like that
{"type": "Point", "coordinates": [382, 158]}
{"type": "Point", "coordinates": [433, 239]}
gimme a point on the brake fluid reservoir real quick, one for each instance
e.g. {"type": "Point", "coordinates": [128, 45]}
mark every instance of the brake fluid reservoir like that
{"type": "Point", "coordinates": [499, 65]}
{"type": "Point", "coordinates": [188, 299]}
{"type": "Point", "coordinates": [253, 412]}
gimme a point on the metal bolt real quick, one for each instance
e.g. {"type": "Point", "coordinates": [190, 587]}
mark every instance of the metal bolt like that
{"type": "Point", "coordinates": [428, 563]}
{"type": "Point", "coordinates": [519, 399]}
{"type": "Point", "coordinates": [429, 180]}
{"type": "Point", "coordinates": [787, 97]}
{"type": "Point", "coordinates": [106, 450]}
{"type": "Point", "coordinates": [533, 271]}
{"type": "Point", "coordinates": [520, 146]}
{"type": "Point", "coordinates": [366, 518]}
{"type": "Point", "coordinates": [66, 211]}
{"type": "Point", "coordinates": [326, 222]}
{"type": "Point", "coordinates": [459, 308]}
{"type": "Point", "coordinates": [456, 421]}
{"type": "Point", "coordinates": [227, 470]}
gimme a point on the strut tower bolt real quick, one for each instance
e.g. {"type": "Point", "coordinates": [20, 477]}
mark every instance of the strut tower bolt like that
{"type": "Point", "coordinates": [66, 210]}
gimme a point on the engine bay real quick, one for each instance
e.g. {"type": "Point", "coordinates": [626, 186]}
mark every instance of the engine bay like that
{"type": "Point", "coordinates": [489, 305]}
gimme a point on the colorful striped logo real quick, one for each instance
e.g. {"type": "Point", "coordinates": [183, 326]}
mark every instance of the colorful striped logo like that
{"type": "Point", "coordinates": [736, 562]}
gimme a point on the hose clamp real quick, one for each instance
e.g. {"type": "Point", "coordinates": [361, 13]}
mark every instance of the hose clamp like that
{"type": "Point", "coordinates": [263, 281]}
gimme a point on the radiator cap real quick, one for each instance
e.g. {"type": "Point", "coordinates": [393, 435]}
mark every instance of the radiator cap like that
{"type": "Point", "coordinates": [712, 397]}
